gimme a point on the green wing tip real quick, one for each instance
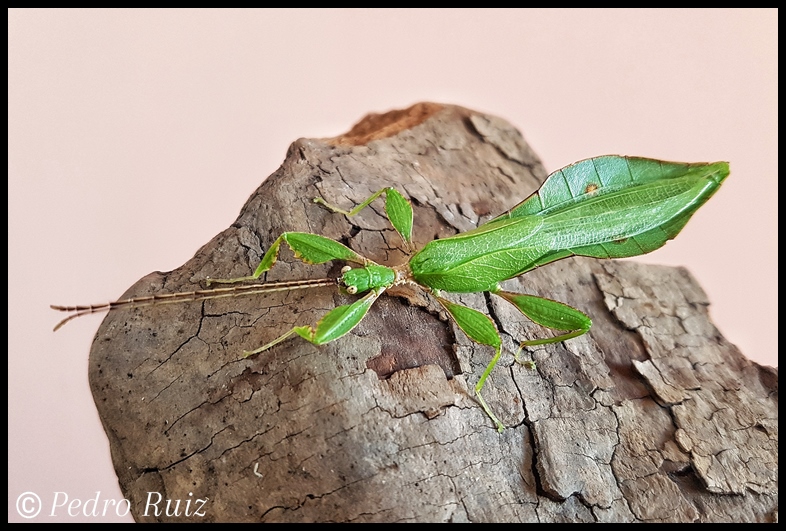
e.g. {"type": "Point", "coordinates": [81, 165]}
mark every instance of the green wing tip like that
{"type": "Point", "coordinates": [718, 171]}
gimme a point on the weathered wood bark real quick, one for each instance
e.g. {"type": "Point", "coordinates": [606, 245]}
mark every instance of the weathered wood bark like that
{"type": "Point", "coordinates": [652, 416]}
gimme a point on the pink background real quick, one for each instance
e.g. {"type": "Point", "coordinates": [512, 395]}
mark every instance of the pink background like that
{"type": "Point", "coordinates": [136, 136]}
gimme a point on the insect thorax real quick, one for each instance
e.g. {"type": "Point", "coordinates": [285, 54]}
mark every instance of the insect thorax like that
{"type": "Point", "coordinates": [365, 278]}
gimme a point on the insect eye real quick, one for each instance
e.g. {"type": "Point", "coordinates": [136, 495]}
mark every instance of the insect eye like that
{"type": "Point", "coordinates": [345, 269]}
{"type": "Point", "coordinates": [352, 290]}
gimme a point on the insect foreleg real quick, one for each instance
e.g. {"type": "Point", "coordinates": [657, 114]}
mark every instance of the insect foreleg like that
{"type": "Point", "coordinates": [397, 207]}
{"type": "Point", "coordinates": [335, 324]}
{"type": "Point", "coordinates": [310, 248]}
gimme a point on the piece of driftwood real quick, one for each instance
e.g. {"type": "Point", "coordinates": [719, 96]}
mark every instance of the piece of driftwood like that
{"type": "Point", "coordinates": [652, 416]}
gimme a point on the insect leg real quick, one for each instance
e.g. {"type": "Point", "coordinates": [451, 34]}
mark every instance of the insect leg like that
{"type": "Point", "coordinates": [335, 324]}
{"type": "Point", "coordinates": [548, 313]}
{"type": "Point", "coordinates": [481, 329]}
{"type": "Point", "coordinates": [397, 207]}
{"type": "Point", "coordinates": [310, 248]}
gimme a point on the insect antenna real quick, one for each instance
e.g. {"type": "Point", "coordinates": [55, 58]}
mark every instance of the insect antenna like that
{"type": "Point", "coordinates": [188, 296]}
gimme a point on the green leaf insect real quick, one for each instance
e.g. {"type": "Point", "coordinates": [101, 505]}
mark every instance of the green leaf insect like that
{"type": "Point", "coordinates": [603, 207]}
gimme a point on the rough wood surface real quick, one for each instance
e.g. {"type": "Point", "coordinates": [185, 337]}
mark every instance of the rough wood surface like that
{"type": "Point", "coordinates": [652, 416]}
